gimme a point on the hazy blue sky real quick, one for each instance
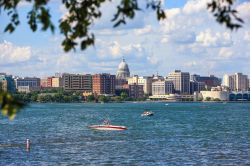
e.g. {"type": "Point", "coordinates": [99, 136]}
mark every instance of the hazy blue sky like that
{"type": "Point", "coordinates": [189, 39]}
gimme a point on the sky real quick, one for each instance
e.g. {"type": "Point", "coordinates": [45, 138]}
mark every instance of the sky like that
{"type": "Point", "coordinates": [189, 39]}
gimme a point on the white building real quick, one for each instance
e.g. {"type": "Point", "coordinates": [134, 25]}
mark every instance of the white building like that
{"type": "Point", "coordinates": [146, 82]}
{"type": "Point", "coordinates": [236, 82]}
{"type": "Point", "coordinates": [122, 75]}
{"type": "Point", "coordinates": [162, 87]}
{"type": "Point", "coordinates": [123, 70]}
{"type": "Point", "coordinates": [221, 95]}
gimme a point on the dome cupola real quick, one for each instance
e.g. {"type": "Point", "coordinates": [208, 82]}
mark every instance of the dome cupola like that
{"type": "Point", "coordinates": [123, 70]}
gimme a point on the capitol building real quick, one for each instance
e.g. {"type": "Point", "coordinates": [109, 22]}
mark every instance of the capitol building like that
{"type": "Point", "coordinates": [122, 74]}
{"type": "Point", "coordinates": [123, 70]}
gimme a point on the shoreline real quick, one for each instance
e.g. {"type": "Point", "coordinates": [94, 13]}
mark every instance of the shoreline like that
{"type": "Point", "coordinates": [160, 101]}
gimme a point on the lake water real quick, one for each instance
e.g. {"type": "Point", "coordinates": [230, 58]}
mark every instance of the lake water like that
{"type": "Point", "coordinates": [178, 134]}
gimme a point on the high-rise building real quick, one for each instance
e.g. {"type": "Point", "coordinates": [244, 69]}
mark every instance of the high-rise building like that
{"type": "Point", "coordinates": [241, 82]}
{"type": "Point", "coordinates": [103, 84]}
{"type": "Point", "coordinates": [181, 81]}
{"type": "Point", "coordinates": [236, 82]}
{"type": "Point", "coordinates": [228, 81]}
{"type": "Point", "coordinates": [77, 82]}
{"type": "Point", "coordinates": [162, 87]}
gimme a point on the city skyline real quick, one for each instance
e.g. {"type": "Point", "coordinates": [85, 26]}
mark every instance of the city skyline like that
{"type": "Point", "coordinates": [197, 44]}
{"type": "Point", "coordinates": [116, 70]}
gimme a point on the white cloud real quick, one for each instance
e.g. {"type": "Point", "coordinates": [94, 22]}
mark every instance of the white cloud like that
{"type": "Point", "coordinates": [247, 36]}
{"type": "Point", "coordinates": [9, 53]}
{"type": "Point", "coordinates": [209, 39]}
{"type": "Point", "coordinates": [195, 6]}
{"type": "Point", "coordinates": [171, 13]}
{"type": "Point", "coordinates": [153, 59]}
{"type": "Point", "coordinates": [191, 63]}
{"type": "Point", "coordinates": [165, 39]}
{"type": "Point", "coordinates": [225, 53]}
{"type": "Point", "coordinates": [115, 49]}
{"type": "Point", "coordinates": [142, 31]}
{"type": "Point", "coordinates": [244, 9]}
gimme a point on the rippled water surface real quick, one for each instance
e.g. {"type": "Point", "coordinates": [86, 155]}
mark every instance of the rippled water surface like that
{"type": "Point", "coordinates": [178, 134]}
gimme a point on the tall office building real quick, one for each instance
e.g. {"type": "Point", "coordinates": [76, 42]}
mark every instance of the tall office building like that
{"type": "Point", "coordinates": [241, 82]}
{"type": "Point", "coordinates": [103, 84]}
{"type": "Point", "coordinates": [236, 82]}
{"type": "Point", "coordinates": [228, 81]}
{"type": "Point", "coordinates": [77, 82]}
{"type": "Point", "coordinates": [181, 81]}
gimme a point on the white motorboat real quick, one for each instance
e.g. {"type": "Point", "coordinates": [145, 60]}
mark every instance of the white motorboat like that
{"type": "Point", "coordinates": [108, 127]}
{"type": "Point", "coordinates": [147, 113]}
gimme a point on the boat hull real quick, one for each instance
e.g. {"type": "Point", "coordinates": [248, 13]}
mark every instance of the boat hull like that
{"type": "Point", "coordinates": [108, 127]}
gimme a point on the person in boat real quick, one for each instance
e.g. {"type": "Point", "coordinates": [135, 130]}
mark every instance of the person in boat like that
{"type": "Point", "coordinates": [106, 122]}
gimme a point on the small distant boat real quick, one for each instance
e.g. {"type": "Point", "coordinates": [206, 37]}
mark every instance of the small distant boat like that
{"type": "Point", "coordinates": [147, 113]}
{"type": "Point", "coordinates": [107, 126]}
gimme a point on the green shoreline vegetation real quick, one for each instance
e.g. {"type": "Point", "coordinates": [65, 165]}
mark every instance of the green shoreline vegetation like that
{"type": "Point", "coordinates": [60, 96]}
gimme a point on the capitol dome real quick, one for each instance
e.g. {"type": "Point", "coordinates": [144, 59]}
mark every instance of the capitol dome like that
{"type": "Point", "coordinates": [123, 70]}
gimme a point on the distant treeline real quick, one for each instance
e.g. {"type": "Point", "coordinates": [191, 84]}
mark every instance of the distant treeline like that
{"type": "Point", "coordinates": [49, 96]}
{"type": "Point", "coordinates": [60, 96]}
